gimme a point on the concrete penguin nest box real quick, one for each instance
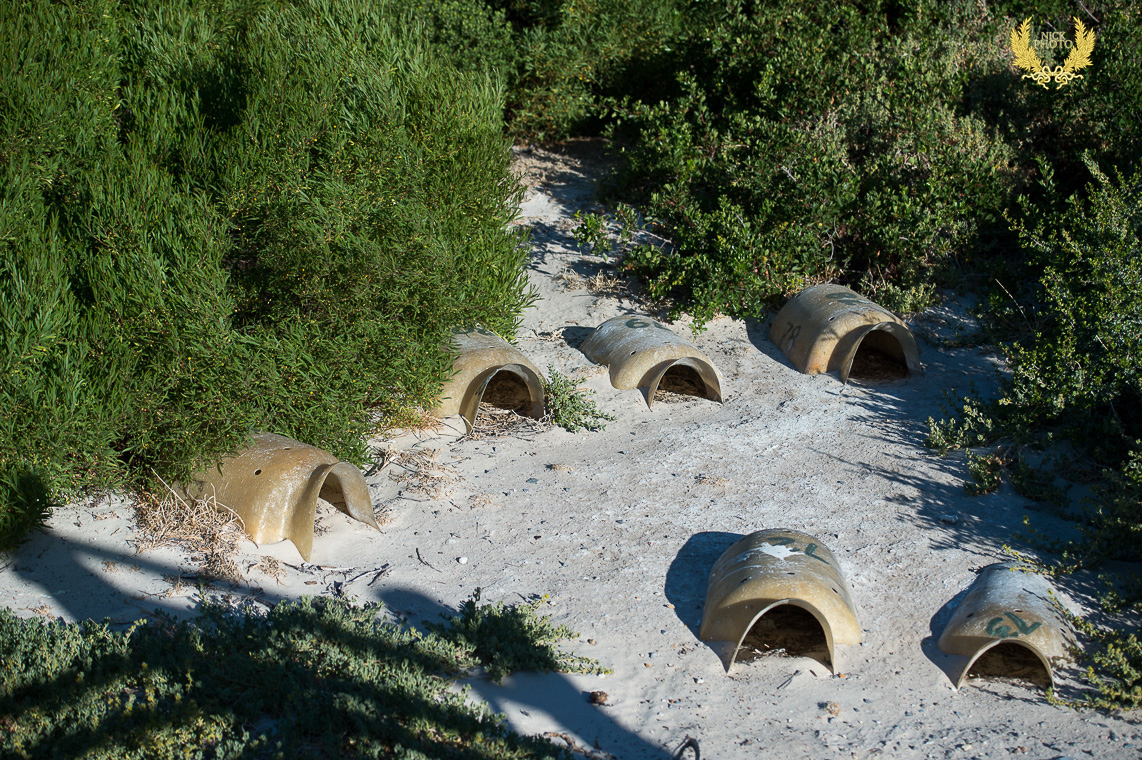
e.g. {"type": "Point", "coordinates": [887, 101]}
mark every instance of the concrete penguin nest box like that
{"type": "Point", "coordinates": [824, 326]}
{"type": "Point", "coordinates": [771, 568]}
{"type": "Point", "coordinates": [639, 352]}
{"type": "Point", "coordinates": [273, 486]}
{"type": "Point", "coordinates": [1007, 605]}
{"type": "Point", "coordinates": [481, 356]}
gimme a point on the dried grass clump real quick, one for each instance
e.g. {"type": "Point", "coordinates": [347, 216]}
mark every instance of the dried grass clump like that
{"type": "Point", "coordinates": [271, 567]}
{"type": "Point", "coordinates": [419, 472]}
{"type": "Point", "coordinates": [208, 530]}
{"type": "Point", "coordinates": [569, 279]}
{"type": "Point", "coordinates": [493, 422]}
{"type": "Point", "coordinates": [600, 284]}
{"type": "Point", "coordinates": [607, 284]}
{"type": "Point", "coordinates": [482, 501]}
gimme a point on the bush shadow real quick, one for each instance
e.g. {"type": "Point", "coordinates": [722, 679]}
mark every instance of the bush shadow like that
{"type": "Point", "coordinates": [265, 670]}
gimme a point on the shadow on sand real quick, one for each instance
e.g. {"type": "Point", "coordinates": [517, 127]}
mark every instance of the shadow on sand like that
{"type": "Point", "coordinates": [232, 651]}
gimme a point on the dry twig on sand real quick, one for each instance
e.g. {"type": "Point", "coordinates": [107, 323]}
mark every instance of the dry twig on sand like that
{"type": "Point", "coordinates": [419, 472]}
{"type": "Point", "coordinates": [493, 422]}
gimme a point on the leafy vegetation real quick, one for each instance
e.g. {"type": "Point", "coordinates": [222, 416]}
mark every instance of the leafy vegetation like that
{"type": "Point", "coordinates": [608, 234]}
{"type": "Point", "coordinates": [314, 678]}
{"type": "Point", "coordinates": [232, 217]}
{"type": "Point", "coordinates": [1075, 388]}
{"type": "Point", "coordinates": [878, 144]}
{"type": "Point", "coordinates": [570, 406]}
{"type": "Point", "coordinates": [267, 214]}
{"type": "Point", "coordinates": [1078, 380]}
{"type": "Point", "coordinates": [1114, 656]}
{"type": "Point", "coordinates": [506, 639]}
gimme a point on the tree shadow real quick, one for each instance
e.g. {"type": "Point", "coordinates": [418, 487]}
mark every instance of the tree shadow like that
{"type": "Point", "coordinates": [569, 706]}
{"type": "Point", "coordinates": [574, 336]}
{"type": "Point", "coordinates": [531, 694]}
{"type": "Point", "coordinates": [564, 185]}
{"type": "Point", "coordinates": [315, 678]}
{"type": "Point", "coordinates": [757, 331]}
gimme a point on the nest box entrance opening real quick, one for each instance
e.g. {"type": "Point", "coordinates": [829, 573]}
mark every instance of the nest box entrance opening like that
{"type": "Point", "coordinates": [1011, 660]}
{"type": "Point", "coordinates": [681, 380]}
{"type": "Point", "coordinates": [879, 357]}
{"type": "Point", "coordinates": [786, 629]}
{"type": "Point", "coordinates": [508, 391]}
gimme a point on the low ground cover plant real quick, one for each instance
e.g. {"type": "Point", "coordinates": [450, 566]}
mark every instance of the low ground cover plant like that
{"type": "Point", "coordinates": [570, 405]}
{"type": "Point", "coordinates": [318, 678]}
{"type": "Point", "coordinates": [509, 638]}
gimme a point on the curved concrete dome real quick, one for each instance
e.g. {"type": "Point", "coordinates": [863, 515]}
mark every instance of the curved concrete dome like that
{"type": "Point", "coordinates": [639, 351]}
{"type": "Point", "coordinates": [481, 356]}
{"type": "Point", "coordinates": [1007, 605]}
{"type": "Point", "coordinates": [273, 487]}
{"type": "Point", "coordinates": [822, 328]}
{"type": "Point", "coordinates": [770, 568]}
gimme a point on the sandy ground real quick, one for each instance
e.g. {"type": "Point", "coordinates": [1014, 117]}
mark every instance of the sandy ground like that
{"type": "Point", "coordinates": [620, 529]}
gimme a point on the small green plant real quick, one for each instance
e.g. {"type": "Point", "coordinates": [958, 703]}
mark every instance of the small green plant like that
{"type": "Point", "coordinates": [591, 233]}
{"type": "Point", "coordinates": [570, 406]}
{"type": "Point", "coordinates": [972, 427]}
{"type": "Point", "coordinates": [986, 472]}
{"type": "Point", "coordinates": [1113, 654]}
{"type": "Point", "coordinates": [902, 300]}
{"type": "Point", "coordinates": [510, 638]}
{"type": "Point", "coordinates": [1036, 484]}
{"type": "Point", "coordinates": [25, 504]}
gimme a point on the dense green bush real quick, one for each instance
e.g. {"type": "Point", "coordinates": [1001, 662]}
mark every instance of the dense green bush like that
{"type": "Point", "coordinates": [1082, 371]}
{"type": "Point", "coordinates": [1078, 379]}
{"type": "Point", "coordinates": [247, 215]}
{"type": "Point", "coordinates": [879, 144]}
{"type": "Point", "coordinates": [316, 678]}
{"type": "Point", "coordinates": [559, 57]}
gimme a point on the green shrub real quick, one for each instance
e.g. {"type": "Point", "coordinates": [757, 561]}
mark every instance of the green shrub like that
{"type": "Point", "coordinates": [30, 503]}
{"type": "Point", "coordinates": [471, 35]}
{"type": "Point", "coordinates": [608, 234]}
{"type": "Point", "coordinates": [1077, 383]}
{"type": "Point", "coordinates": [769, 176]}
{"type": "Point", "coordinates": [1079, 379]}
{"type": "Point", "coordinates": [570, 406]}
{"type": "Point", "coordinates": [986, 473]}
{"type": "Point", "coordinates": [252, 215]}
{"type": "Point", "coordinates": [573, 53]}
{"type": "Point", "coordinates": [1112, 654]}
{"type": "Point", "coordinates": [315, 678]}
{"type": "Point", "coordinates": [1082, 371]}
